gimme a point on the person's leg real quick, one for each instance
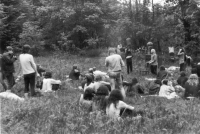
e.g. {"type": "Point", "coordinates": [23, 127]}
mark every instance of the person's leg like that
{"type": "Point", "coordinates": [112, 83]}
{"type": "Point", "coordinates": [32, 84]}
{"type": "Point", "coordinates": [127, 65]}
{"type": "Point", "coordinates": [11, 81]}
{"type": "Point", "coordinates": [155, 69]}
{"type": "Point", "coordinates": [119, 83]}
{"type": "Point", "coordinates": [26, 83]}
{"type": "Point", "coordinates": [2, 81]}
{"type": "Point", "coordinates": [152, 69]}
{"type": "Point", "coordinates": [131, 66]}
{"type": "Point", "coordinates": [181, 67]}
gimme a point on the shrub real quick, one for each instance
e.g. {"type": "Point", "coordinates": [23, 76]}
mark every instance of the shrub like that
{"type": "Point", "coordinates": [93, 52]}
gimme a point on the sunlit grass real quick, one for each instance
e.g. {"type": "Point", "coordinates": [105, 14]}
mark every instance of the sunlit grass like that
{"type": "Point", "coordinates": [59, 112]}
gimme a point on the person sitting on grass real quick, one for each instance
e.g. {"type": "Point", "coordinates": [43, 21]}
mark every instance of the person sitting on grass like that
{"type": "Point", "coordinates": [86, 98]}
{"type": "Point", "coordinates": [88, 81]}
{"type": "Point", "coordinates": [135, 88]}
{"type": "Point", "coordinates": [75, 73]}
{"type": "Point", "coordinates": [99, 101]}
{"type": "Point", "coordinates": [115, 103]}
{"type": "Point", "coordinates": [48, 82]}
{"type": "Point", "coordinates": [192, 86]}
{"type": "Point", "coordinates": [154, 87]}
{"type": "Point", "coordinates": [167, 90]}
{"type": "Point", "coordinates": [180, 91]}
{"type": "Point", "coordinates": [162, 74]}
{"type": "Point", "coordinates": [98, 82]}
{"type": "Point", "coordinates": [182, 79]}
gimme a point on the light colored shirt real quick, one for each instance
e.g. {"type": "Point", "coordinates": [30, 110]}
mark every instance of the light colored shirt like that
{"type": "Point", "coordinates": [181, 57]}
{"type": "Point", "coordinates": [167, 91]}
{"type": "Point", "coordinates": [26, 61]}
{"type": "Point", "coordinates": [154, 59]}
{"type": "Point", "coordinates": [114, 63]}
{"type": "Point", "coordinates": [47, 84]}
{"type": "Point", "coordinates": [114, 112]}
{"type": "Point", "coordinates": [97, 84]}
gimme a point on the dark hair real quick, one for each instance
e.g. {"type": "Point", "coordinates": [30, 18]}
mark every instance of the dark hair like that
{"type": "Point", "coordinates": [165, 81]}
{"type": "Point", "coordinates": [89, 78]}
{"type": "Point", "coordinates": [102, 90]}
{"type": "Point", "coordinates": [88, 94]}
{"type": "Point", "coordinates": [158, 82]}
{"type": "Point", "coordinates": [162, 67]}
{"type": "Point", "coordinates": [182, 74]}
{"type": "Point", "coordinates": [115, 97]}
{"type": "Point", "coordinates": [134, 81]}
{"type": "Point", "coordinates": [26, 48]}
{"type": "Point", "coordinates": [48, 75]}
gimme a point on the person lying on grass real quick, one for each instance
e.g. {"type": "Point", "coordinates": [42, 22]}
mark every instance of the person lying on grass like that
{"type": "Point", "coordinates": [192, 86]}
{"type": "Point", "coordinates": [99, 100]}
{"type": "Point", "coordinates": [115, 103]}
{"type": "Point", "coordinates": [86, 98]}
{"type": "Point", "coordinates": [167, 90]}
{"type": "Point", "coordinates": [48, 82]}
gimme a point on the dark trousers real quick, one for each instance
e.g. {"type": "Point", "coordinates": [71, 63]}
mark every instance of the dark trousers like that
{"type": "Point", "coordinates": [8, 80]}
{"type": "Point", "coordinates": [29, 80]}
{"type": "Point", "coordinates": [129, 65]}
{"type": "Point", "coordinates": [182, 67]}
{"type": "Point", "coordinates": [153, 69]}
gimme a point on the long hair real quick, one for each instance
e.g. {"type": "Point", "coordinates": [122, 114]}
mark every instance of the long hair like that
{"type": "Point", "coordinates": [88, 94]}
{"type": "Point", "coordinates": [193, 80]}
{"type": "Point", "coordinates": [100, 98]}
{"type": "Point", "coordinates": [115, 97]}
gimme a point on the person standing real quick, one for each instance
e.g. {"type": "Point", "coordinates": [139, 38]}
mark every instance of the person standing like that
{"type": "Point", "coordinates": [29, 70]}
{"type": "Point", "coordinates": [114, 63]}
{"type": "Point", "coordinates": [129, 63]}
{"type": "Point", "coordinates": [153, 62]}
{"type": "Point", "coordinates": [8, 69]}
{"type": "Point", "coordinates": [181, 55]}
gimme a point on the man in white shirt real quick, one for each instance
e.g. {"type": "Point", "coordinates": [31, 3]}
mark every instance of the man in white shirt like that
{"type": "Point", "coordinates": [114, 63]}
{"type": "Point", "coordinates": [29, 70]}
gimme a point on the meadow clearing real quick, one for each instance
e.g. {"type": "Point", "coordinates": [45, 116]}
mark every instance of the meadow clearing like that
{"type": "Point", "coordinates": [59, 113]}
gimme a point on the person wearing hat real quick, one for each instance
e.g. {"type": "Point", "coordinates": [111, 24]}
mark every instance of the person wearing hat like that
{"type": "Point", "coordinates": [114, 63]}
{"type": "Point", "coordinates": [7, 69]}
{"type": "Point", "coordinates": [29, 70]}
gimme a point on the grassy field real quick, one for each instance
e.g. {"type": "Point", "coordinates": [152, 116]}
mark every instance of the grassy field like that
{"type": "Point", "coordinates": [59, 113]}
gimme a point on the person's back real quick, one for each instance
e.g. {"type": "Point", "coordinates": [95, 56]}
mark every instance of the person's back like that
{"type": "Point", "coordinates": [25, 60]}
{"type": "Point", "coordinates": [47, 84]}
{"type": "Point", "coordinates": [191, 90]}
{"type": "Point", "coordinates": [114, 62]}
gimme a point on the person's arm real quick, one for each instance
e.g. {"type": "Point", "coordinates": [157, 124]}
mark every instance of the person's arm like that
{"type": "Point", "coordinates": [122, 62]}
{"type": "Point", "coordinates": [180, 53]}
{"type": "Point", "coordinates": [55, 81]}
{"type": "Point", "coordinates": [33, 65]}
{"type": "Point", "coordinates": [124, 105]}
{"type": "Point", "coordinates": [8, 60]}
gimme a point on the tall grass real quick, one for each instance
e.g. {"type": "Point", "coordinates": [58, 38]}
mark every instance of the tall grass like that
{"type": "Point", "coordinates": [59, 113]}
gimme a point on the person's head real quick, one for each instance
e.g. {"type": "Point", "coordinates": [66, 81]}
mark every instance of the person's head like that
{"type": "Point", "coordinates": [112, 51]}
{"type": "Point", "coordinates": [115, 97]}
{"type": "Point", "coordinates": [90, 70]}
{"type": "Point", "coordinates": [26, 48]}
{"type": "Point", "coordinates": [193, 80]}
{"type": "Point", "coordinates": [9, 49]}
{"type": "Point", "coordinates": [74, 67]}
{"type": "Point", "coordinates": [182, 74]}
{"type": "Point", "coordinates": [153, 51]}
{"type": "Point", "coordinates": [165, 82]}
{"type": "Point", "coordinates": [89, 78]}
{"type": "Point", "coordinates": [98, 77]}
{"type": "Point", "coordinates": [94, 68]}
{"type": "Point", "coordinates": [48, 75]}
{"type": "Point", "coordinates": [134, 81]}
{"type": "Point", "coordinates": [162, 68]}
{"type": "Point", "coordinates": [88, 94]}
{"type": "Point", "coordinates": [102, 91]}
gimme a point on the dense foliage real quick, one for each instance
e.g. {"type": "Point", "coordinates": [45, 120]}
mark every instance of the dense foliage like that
{"type": "Point", "coordinates": [67, 25]}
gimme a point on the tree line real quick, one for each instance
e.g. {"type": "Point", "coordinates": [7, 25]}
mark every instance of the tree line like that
{"type": "Point", "coordinates": [65, 25]}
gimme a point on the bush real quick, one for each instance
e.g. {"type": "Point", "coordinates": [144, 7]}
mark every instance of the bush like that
{"type": "Point", "coordinates": [93, 52]}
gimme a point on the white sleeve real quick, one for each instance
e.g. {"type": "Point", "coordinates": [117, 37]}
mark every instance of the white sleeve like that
{"type": "Point", "coordinates": [32, 61]}
{"type": "Point", "coordinates": [124, 105]}
{"type": "Point", "coordinates": [55, 81]}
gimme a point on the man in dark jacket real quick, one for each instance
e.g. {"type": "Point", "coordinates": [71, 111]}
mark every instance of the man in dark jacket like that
{"type": "Point", "coordinates": [129, 63]}
{"type": "Point", "coordinates": [7, 68]}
